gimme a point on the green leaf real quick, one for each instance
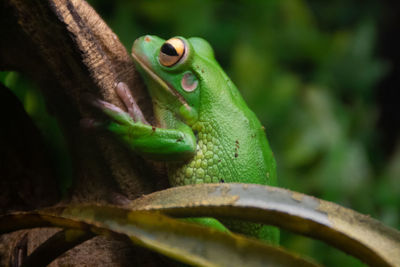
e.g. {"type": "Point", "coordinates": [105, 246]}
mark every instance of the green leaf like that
{"type": "Point", "coordinates": [186, 242]}
{"type": "Point", "coordinates": [355, 233]}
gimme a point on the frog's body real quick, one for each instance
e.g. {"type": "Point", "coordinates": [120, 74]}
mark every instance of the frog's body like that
{"type": "Point", "coordinates": [206, 133]}
{"type": "Point", "coordinates": [220, 157]}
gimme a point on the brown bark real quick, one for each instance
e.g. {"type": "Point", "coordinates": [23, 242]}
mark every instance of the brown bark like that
{"type": "Point", "coordinates": [68, 50]}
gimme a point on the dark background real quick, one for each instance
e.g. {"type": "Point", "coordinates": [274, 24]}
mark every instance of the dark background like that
{"type": "Point", "coordinates": [322, 76]}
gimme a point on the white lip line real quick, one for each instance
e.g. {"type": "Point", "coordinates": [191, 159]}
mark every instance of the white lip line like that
{"type": "Point", "coordinates": [158, 79]}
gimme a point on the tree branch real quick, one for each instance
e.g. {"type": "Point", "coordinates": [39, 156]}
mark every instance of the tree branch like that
{"type": "Point", "coordinates": [69, 51]}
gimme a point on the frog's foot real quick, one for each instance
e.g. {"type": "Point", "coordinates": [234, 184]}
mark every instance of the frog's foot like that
{"type": "Point", "coordinates": [115, 113]}
{"type": "Point", "coordinates": [133, 113]}
{"type": "Point", "coordinates": [125, 95]}
{"type": "Point", "coordinates": [134, 131]}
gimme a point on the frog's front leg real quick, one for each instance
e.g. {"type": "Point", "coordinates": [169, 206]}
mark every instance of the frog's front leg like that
{"type": "Point", "coordinates": [149, 141]}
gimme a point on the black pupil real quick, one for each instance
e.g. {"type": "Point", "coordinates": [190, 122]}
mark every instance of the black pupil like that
{"type": "Point", "coordinates": [168, 49]}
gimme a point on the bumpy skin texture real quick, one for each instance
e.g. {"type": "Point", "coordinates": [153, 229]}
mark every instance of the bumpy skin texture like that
{"type": "Point", "coordinates": [225, 158]}
{"type": "Point", "coordinates": [205, 135]}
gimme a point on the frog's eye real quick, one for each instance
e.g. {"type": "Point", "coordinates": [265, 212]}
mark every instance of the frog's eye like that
{"type": "Point", "coordinates": [171, 52]}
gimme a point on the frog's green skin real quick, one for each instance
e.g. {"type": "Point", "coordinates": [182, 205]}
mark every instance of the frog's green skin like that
{"type": "Point", "coordinates": [208, 135]}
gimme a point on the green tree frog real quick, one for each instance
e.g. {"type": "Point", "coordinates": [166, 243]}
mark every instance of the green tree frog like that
{"type": "Point", "coordinates": [205, 132]}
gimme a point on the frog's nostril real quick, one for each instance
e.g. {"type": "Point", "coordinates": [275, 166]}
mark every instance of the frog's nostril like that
{"type": "Point", "coordinates": [147, 38]}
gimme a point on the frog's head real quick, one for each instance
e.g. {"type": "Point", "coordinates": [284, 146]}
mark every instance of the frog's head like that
{"type": "Point", "coordinates": [176, 71]}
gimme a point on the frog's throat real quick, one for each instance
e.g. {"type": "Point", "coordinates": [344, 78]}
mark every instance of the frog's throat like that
{"type": "Point", "coordinates": [168, 87]}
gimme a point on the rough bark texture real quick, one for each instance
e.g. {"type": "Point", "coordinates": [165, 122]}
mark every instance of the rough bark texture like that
{"type": "Point", "coordinates": [68, 50]}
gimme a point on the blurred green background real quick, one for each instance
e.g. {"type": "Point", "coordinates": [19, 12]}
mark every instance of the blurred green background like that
{"type": "Point", "coordinates": [315, 72]}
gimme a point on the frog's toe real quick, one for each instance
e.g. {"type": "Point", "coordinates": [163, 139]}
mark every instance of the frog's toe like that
{"type": "Point", "coordinates": [113, 112]}
{"type": "Point", "coordinates": [106, 107]}
{"type": "Point", "coordinates": [125, 95]}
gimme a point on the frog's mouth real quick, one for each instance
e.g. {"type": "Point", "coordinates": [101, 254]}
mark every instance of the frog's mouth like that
{"type": "Point", "coordinates": [165, 85]}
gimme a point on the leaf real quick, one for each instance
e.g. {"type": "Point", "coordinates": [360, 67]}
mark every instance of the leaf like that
{"type": "Point", "coordinates": [355, 233]}
{"type": "Point", "coordinates": [186, 242]}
